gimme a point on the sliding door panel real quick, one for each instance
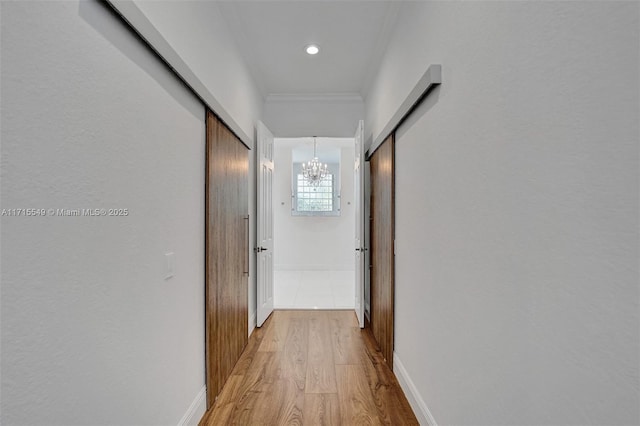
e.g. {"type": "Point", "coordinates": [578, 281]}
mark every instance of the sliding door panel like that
{"type": "Point", "coordinates": [382, 247]}
{"type": "Point", "coordinates": [227, 168]}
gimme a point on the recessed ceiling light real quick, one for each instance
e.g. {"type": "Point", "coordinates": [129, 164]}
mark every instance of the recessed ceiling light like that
{"type": "Point", "coordinates": [312, 49]}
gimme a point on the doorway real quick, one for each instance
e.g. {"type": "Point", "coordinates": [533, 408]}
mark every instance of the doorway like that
{"type": "Point", "coordinates": [314, 227]}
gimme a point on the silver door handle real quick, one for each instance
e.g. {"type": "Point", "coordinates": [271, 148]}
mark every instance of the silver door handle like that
{"type": "Point", "coordinates": [245, 269]}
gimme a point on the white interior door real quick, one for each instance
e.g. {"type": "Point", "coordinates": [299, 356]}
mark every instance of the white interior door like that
{"type": "Point", "coordinates": [264, 237]}
{"type": "Point", "coordinates": [359, 210]}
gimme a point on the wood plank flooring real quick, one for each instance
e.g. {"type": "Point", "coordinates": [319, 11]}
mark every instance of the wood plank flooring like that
{"type": "Point", "coordinates": [311, 368]}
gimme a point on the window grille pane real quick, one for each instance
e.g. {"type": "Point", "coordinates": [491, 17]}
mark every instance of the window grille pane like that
{"type": "Point", "coordinates": [315, 198]}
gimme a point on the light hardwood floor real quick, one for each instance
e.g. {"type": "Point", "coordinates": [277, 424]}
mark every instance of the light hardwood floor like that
{"type": "Point", "coordinates": [311, 368]}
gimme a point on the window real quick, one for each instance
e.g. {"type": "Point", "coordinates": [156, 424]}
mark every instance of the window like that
{"type": "Point", "coordinates": [311, 200]}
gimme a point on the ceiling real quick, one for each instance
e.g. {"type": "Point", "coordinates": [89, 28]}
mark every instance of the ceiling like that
{"type": "Point", "coordinates": [272, 35]}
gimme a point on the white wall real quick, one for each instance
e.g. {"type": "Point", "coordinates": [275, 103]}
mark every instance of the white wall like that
{"type": "Point", "coordinates": [199, 34]}
{"type": "Point", "coordinates": [290, 116]}
{"type": "Point", "coordinates": [517, 210]}
{"type": "Point", "coordinates": [92, 333]}
{"type": "Point", "coordinates": [333, 236]}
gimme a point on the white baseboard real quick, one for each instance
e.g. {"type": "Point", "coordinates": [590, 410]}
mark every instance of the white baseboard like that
{"type": "Point", "coordinates": [313, 267]}
{"type": "Point", "coordinates": [252, 322]}
{"type": "Point", "coordinates": [413, 396]}
{"type": "Point", "coordinates": [196, 410]}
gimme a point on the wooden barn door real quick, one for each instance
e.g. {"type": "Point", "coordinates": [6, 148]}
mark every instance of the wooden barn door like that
{"type": "Point", "coordinates": [382, 247]}
{"type": "Point", "coordinates": [227, 252]}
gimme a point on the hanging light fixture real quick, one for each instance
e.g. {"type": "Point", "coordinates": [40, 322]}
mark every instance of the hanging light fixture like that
{"type": "Point", "coordinates": [314, 171]}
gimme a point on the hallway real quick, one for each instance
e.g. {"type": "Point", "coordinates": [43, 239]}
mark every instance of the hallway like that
{"type": "Point", "coordinates": [311, 368]}
{"type": "Point", "coordinates": [515, 218]}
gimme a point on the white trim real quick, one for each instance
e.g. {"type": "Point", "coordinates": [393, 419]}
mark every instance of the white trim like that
{"type": "Point", "coordinates": [413, 396]}
{"type": "Point", "coordinates": [137, 20]}
{"type": "Point", "coordinates": [344, 98]}
{"type": "Point", "coordinates": [314, 267]}
{"type": "Point", "coordinates": [196, 410]}
{"type": "Point", "coordinates": [327, 308]}
{"type": "Point", "coordinates": [431, 78]}
{"type": "Point", "coordinates": [252, 323]}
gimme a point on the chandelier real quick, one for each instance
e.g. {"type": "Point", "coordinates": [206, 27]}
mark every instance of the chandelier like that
{"type": "Point", "coordinates": [314, 171]}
